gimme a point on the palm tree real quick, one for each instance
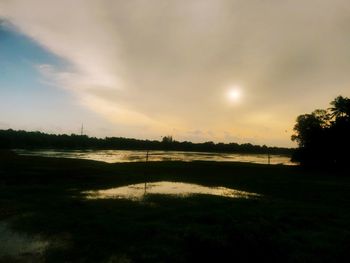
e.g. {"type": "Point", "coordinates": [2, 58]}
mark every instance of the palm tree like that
{"type": "Point", "coordinates": [341, 107]}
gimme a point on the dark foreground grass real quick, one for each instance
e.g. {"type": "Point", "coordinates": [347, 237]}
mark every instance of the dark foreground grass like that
{"type": "Point", "coordinates": [302, 216]}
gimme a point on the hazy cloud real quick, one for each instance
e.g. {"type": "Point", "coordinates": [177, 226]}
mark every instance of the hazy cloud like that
{"type": "Point", "coordinates": [165, 66]}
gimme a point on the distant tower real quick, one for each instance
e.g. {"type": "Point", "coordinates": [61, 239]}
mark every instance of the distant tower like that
{"type": "Point", "coordinates": [82, 129]}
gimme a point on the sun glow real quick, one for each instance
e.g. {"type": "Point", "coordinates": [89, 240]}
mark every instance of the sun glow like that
{"type": "Point", "coordinates": [234, 93]}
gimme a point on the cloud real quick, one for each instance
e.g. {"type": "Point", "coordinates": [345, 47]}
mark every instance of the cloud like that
{"type": "Point", "coordinates": [165, 65]}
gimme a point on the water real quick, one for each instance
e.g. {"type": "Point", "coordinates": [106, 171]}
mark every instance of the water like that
{"type": "Point", "coordinates": [115, 156]}
{"type": "Point", "coordinates": [138, 191]}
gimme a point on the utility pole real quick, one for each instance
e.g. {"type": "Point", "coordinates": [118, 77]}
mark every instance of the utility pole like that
{"type": "Point", "coordinates": [82, 129]}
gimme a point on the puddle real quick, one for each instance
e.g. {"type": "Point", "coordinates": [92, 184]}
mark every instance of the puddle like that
{"type": "Point", "coordinates": [138, 191]}
{"type": "Point", "coordinates": [19, 246]}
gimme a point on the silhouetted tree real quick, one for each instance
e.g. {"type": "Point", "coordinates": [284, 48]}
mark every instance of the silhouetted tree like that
{"type": "Point", "coordinates": [308, 128]}
{"type": "Point", "coordinates": [168, 143]}
{"type": "Point", "coordinates": [341, 107]}
{"type": "Point", "coordinates": [167, 139]}
{"type": "Point", "coordinates": [324, 136]}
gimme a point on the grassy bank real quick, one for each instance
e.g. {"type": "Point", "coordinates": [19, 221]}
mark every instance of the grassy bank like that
{"type": "Point", "coordinates": [302, 216]}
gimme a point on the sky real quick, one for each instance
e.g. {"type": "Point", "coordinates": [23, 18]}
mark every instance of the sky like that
{"type": "Point", "coordinates": [199, 70]}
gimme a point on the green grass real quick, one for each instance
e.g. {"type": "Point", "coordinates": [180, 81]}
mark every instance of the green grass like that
{"type": "Point", "coordinates": [302, 216]}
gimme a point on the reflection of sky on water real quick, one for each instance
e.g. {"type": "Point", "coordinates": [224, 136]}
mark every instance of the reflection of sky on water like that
{"type": "Point", "coordinates": [138, 191]}
{"type": "Point", "coordinates": [112, 156]}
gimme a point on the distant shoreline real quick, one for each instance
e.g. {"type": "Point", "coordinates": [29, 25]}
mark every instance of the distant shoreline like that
{"type": "Point", "coordinates": [11, 139]}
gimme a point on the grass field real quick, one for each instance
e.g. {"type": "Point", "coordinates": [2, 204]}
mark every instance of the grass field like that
{"type": "Point", "coordinates": [301, 216]}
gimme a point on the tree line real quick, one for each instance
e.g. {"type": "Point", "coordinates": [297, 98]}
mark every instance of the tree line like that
{"type": "Point", "coordinates": [323, 136]}
{"type": "Point", "coordinates": [11, 139]}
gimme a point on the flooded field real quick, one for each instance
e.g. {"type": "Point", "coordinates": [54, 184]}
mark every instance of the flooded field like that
{"type": "Point", "coordinates": [114, 156]}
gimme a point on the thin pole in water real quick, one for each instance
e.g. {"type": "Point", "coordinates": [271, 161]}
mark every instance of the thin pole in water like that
{"type": "Point", "coordinates": [147, 153]}
{"type": "Point", "coordinates": [268, 157]}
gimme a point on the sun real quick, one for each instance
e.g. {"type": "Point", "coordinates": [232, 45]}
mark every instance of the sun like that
{"type": "Point", "coordinates": [234, 93]}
